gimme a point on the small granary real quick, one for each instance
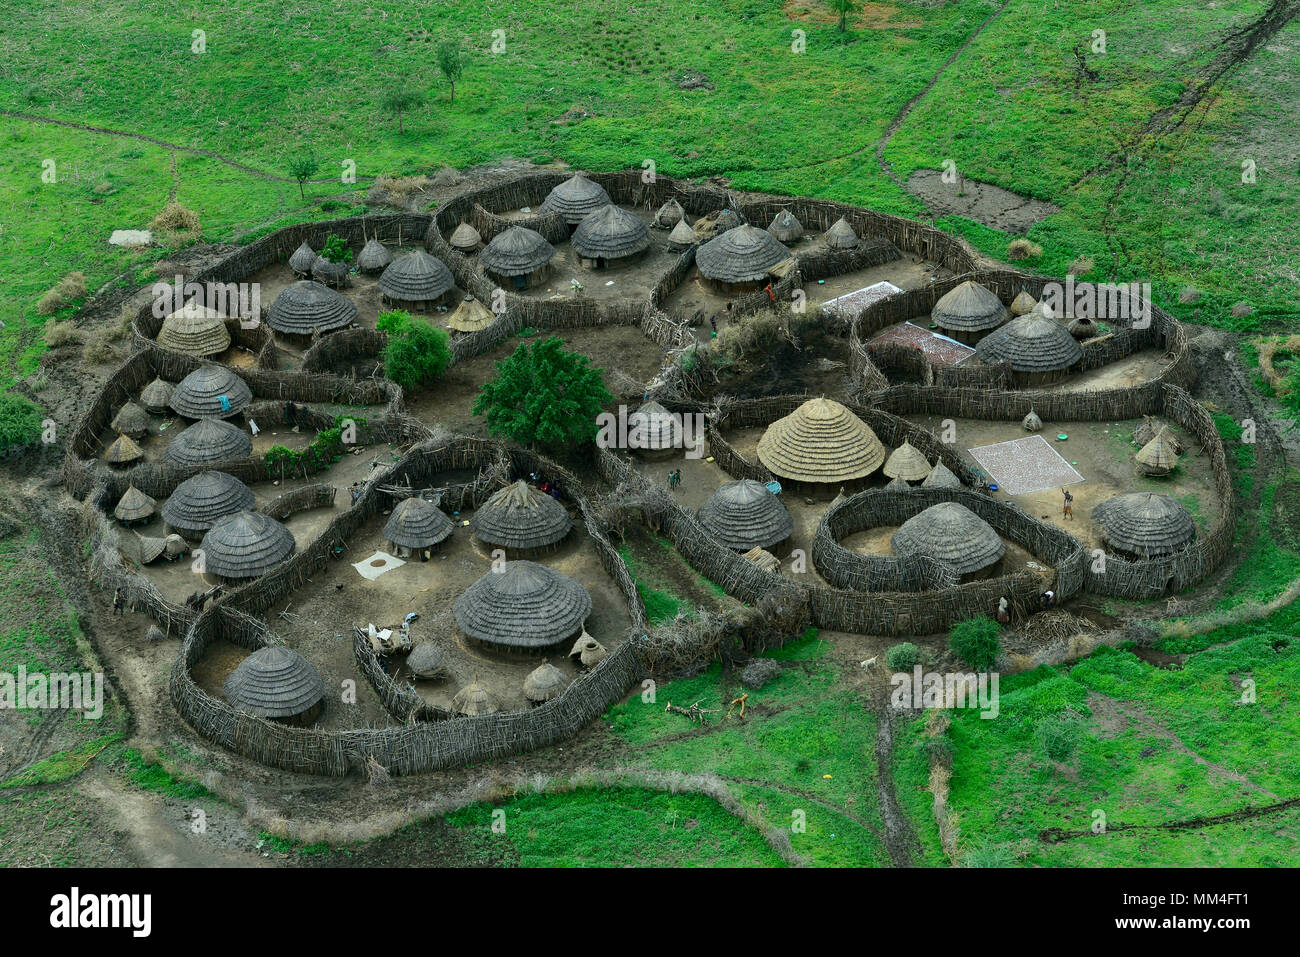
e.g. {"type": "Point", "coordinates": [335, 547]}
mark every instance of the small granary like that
{"type": "Point", "coordinates": [245, 545]}
{"type": "Point", "coordinates": [764, 559]}
{"type": "Point", "coordinates": [907, 463]}
{"type": "Point", "coordinates": [134, 506]}
{"type": "Point", "coordinates": [198, 502]}
{"type": "Point", "coordinates": [941, 477]}
{"type": "Point", "coordinates": [278, 683]}
{"type": "Point", "coordinates": [1157, 457]}
{"type": "Point", "coordinates": [374, 257]}
{"type": "Point", "coordinates": [1144, 525]}
{"type": "Point", "coordinates": [588, 651]}
{"type": "Point", "coordinates": [575, 199]}
{"type": "Point", "coordinates": [897, 485]}
{"type": "Point", "coordinates": [740, 259]}
{"type": "Point", "coordinates": [465, 238]}
{"type": "Point", "coordinates": [131, 420]}
{"type": "Point", "coordinates": [682, 237]}
{"type": "Point", "coordinates": [742, 515]}
{"type": "Point", "coordinates": [518, 257]}
{"type": "Point", "coordinates": [211, 392]}
{"type": "Point", "coordinates": [821, 442]}
{"type": "Point", "coordinates": [1150, 428]}
{"type": "Point", "coordinates": [522, 520]}
{"type": "Point", "coordinates": [330, 273]}
{"type": "Point", "coordinates": [303, 258]}
{"type": "Point", "coordinates": [841, 235]}
{"type": "Point", "coordinates": [524, 607]}
{"type": "Point", "coordinates": [1031, 422]}
{"type": "Point", "coordinates": [416, 525]}
{"type": "Point", "coordinates": [475, 699]}
{"type": "Point", "coordinates": [427, 660]}
{"type": "Point", "coordinates": [157, 396]}
{"type": "Point", "coordinates": [143, 549]}
{"type": "Point", "coordinates": [1038, 349]}
{"type": "Point", "coordinates": [968, 313]}
{"type": "Point", "coordinates": [1083, 328]}
{"type": "Point", "coordinates": [951, 533]}
{"type": "Point", "coordinates": [544, 683]}
{"type": "Point", "coordinates": [308, 307]}
{"type": "Point", "coordinates": [609, 236]}
{"type": "Point", "coordinates": [123, 451]}
{"type": "Point", "coordinates": [208, 442]}
{"type": "Point", "coordinates": [654, 432]}
{"type": "Point", "coordinates": [785, 227]}
{"type": "Point", "coordinates": [669, 214]}
{"type": "Point", "coordinates": [727, 219]}
{"type": "Point", "coordinates": [195, 331]}
{"type": "Point", "coordinates": [1023, 303]}
{"type": "Point", "coordinates": [470, 316]}
{"type": "Point", "coordinates": [415, 281]}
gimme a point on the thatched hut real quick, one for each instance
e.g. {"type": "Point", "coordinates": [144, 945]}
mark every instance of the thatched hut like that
{"type": "Point", "coordinates": [198, 502]}
{"type": "Point", "coordinates": [195, 331]}
{"type": "Point", "coordinates": [1157, 457]}
{"type": "Point", "coordinates": [157, 396]}
{"type": "Point", "coordinates": [610, 236]}
{"type": "Point", "coordinates": [785, 227]}
{"type": "Point", "coordinates": [123, 451]}
{"type": "Point", "coordinates": [303, 258]}
{"type": "Point", "coordinates": [374, 257]}
{"type": "Point", "coordinates": [521, 520]}
{"type": "Point", "coordinates": [588, 651]}
{"type": "Point", "coordinates": [330, 273]}
{"type": "Point", "coordinates": [764, 559]}
{"type": "Point", "coordinates": [740, 259]}
{"type": "Point", "coordinates": [427, 660]}
{"type": "Point", "coordinates": [968, 313]}
{"type": "Point", "coordinates": [1038, 349]}
{"type": "Point", "coordinates": [519, 257]}
{"type": "Point", "coordinates": [1083, 328]}
{"type": "Point", "coordinates": [134, 506]}
{"type": "Point", "coordinates": [575, 199]}
{"type": "Point", "coordinates": [941, 477]}
{"type": "Point", "coordinates": [1144, 525]}
{"type": "Point", "coordinates": [211, 392]}
{"type": "Point", "coordinates": [307, 308]}
{"type": "Point", "coordinates": [245, 545]}
{"type": "Point", "coordinates": [654, 432]}
{"type": "Point", "coordinates": [681, 238]}
{"type": "Point", "coordinates": [278, 683]}
{"type": "Point", "coordinates": [465, 238]}
{"type": "Point", "coordinates": [544, 683]}
{"type": "Point", "coordinates": [669, 215]}
{"type": "Point", "coordinates": [475, 699]}
{"type": "Point", "coordinates": [415, 281]}
{"type": "Point", "coordinates": [470, 316]}
{"type": "Point", "coordinates": [742, 515]}
{"type": "Point", "coordinates": [1150, 428]}
{"type": "Point", "coordinates": [907, 463]}
{"type": "Point", "coordinates": [727, 219]}
{"type": "Point", "coordinates": [841, 235]}
{"type": "Point", "coordinates": [524, 607]}
{"type": "Point", "coordinates": [208, 442]}
{"type": "Point", "coordinates": [1023, 303]}
{"type": "Point", "coordinates": [821, 442]}
{"type": "Point", "coordinates": [1031, 422]}
{"type": "Point", "coordinates": [416, 525]}
{"type": "Point", "coordinates": [897, 485]}
{"type": "Point", "coordinates": [951, 533]}
{"type": "Point", "coordinates": [131, 420]}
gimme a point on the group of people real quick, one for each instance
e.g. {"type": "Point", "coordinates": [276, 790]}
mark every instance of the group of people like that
{"type": "Point", "coordinates": [1046, 600]}
{"type": "Point", "coordinates": [674, 479]}
{"type": "Point", "coordinates": [546, 486]}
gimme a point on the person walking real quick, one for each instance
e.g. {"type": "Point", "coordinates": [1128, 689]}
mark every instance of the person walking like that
{"type": "Point", "coordinates": [119, 603]}
{"type": "Point", "coordinates": [1067, 507]}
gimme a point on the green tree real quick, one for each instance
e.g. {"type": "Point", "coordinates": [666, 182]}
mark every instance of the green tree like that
{"type": "Point", "coordinates": [417, 352]}
{"type": "Point", "coordinates": [544, 393]}
{"type": "Point", "coordinates": [975, 641]}
{"type": "Point", "coordinates": [20, 422]}
{"type": "Point", "coordinates": [336, 249]}
{"type": "Point", "coordinates": [302, 167]}
{"type": "Point", "coordinates": [401, 100]}
{"type": "Point", "coordinates": [843, 8]}
{"type": "Point", "coordinates": [450, 64]}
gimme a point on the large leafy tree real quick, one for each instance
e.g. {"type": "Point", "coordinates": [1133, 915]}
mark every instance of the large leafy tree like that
{"type": "Point", "coordinates": [544, 394]}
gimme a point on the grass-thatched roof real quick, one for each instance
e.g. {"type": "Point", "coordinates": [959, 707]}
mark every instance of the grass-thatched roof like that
{"type": "Point", "coordinates": [670, 214]}
{"type": "Point", "coordinates": [681, 236]}
{"type": "Point", "coordinates": [941, 477]}
{"type": "Point", "coordinates": [544, 683]}
{"type": "Point", "coordinates": [131, 420]}
{"type": "Point", "coordinates": [416, 277]}
{"type": "Point", "coordinates": [611, 232]}
{"type": "Point", "coordinates": [521, 517]}
{"type": "Point", "coordinates": [122, 451]}
{"type": "Point", "coordinates": [202, 499]}
{"type": "Point", "coordinates": [969, 308]}
{"type": "Point", "coordinates": [907, 463]}
{"type": "Point", "coordinates": [470, 316]}
{"type": "Point", "coordinates": [330, 272]}
{"type": "Point", "coordinates": [655, 428]}
{"type": "Point", "coordinates": [246, 545]}
{"type": "Point", "coordinates": [157, 396]}
{"type": "Point", "coordinates": [208, 442]}
{"type": "Point", "coordinates": [275, 682]}
{"type": "Point", "coordinates": [951, 533]}
{"type": "Point", "coordinates": [134, 506]}
{"type": "Point", "coordinates": [841, 235]}
{"type": "Point", "coordinates": [744, 514]}
{"type": "Point", "coordinates": [575, 198]}
{"type": "Point", "coordinates": [742, 254]}
{"type": "Point", "coordinates": [427, 660]}
{"type": "Point", "coordinates": [306, 307]}
{"type": "Point", "coordinates": [522, 606]}
{"type": "Point", "coordinates": [727, 219]}
{"type": "Point", "coordinates": [1144, 524]}
{"type": "Point", "coordinates": [516, 251]}
{"type": "Point", "coordinates": [374, 257]}
{"type": "Point", "coordinates": [1023, 303]}
{"type": "Point", "coordinates": [897, 485]}
{"type": "Point", "coordinates": [588, 650]}
{"type": "Point", "coordinates": [416, 523]}
{"type": "Point", "coordinates": [763, 559]}
{"type": "Point", "coordinates": [1031, 343]}
{"type": "Point", "coordinates": [303, 258]}
{"type": "Point", "coordinates": [821, 441]}
{"type": "Point", "coordinates": [474, 699]}
{"type": "Point", "coordinates": [194, 330]}
{"type": "Point", "coordinates": [465, 238]}
{"type": "Point", "coordinates": [1157, 456]}
{"type": "Point", "coordinates": [200, 394]}
{"type": "Point", "coordinates": [785, 227]}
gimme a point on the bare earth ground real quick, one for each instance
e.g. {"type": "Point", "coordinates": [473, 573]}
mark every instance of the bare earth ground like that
{"type": "Point", "coordinates": [982, 202]}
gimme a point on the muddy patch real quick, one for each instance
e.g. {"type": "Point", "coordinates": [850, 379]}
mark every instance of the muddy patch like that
{"type": "Point", "coordinates": [982, 202]}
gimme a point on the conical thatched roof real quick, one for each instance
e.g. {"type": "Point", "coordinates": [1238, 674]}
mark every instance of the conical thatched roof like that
{"type": "Point", "coordinates": [575, 198]}
{"type": "Point", "coordinates": [1023, 303]}
{"type": "Point", "coordinates": [131, 420]}
{"type": "Point", "coordinates": [123, 451]}
{"type": "Point", "coordinates": [202, 499]}
{"type": "Point", "coordinates": [416, 277]}
{"type": "Point", "coordinates": [416, 523]}
{"type": "Point", "coordinates": [465, 238]}
{"type": "Point", "coordinates": [821, 441]}
{"type": "Point", "coordinates": [727, 219]}
{"type": "Point", "coordinates": [1157, 456]}
{"type": "Point", "coordinates": [306, 307]}
{"type": "Point", "coordinates": [134, 506]}
{"type": "Point", "coordinates": [897, 485]}
{"type": "Point", "coordinates": [588, 650]}
{"type": "Point", "coordinates": [474, 699]}
{"type": "Point", "coordinates": [374, 257]}
{"type": "Point", "coordinates": [681, 236]}
{"type": "Point", "coordinates": [655, 428]}
{"type": "Point", "coordinates": [545, 682]}
{"type": "Point", "coordinates": [1031, 343]}
{"type": "Point", "coordinates": [969, 308]}
{"type": "Point", "coordinates": [141, 549]}
{"type": "Point", "coordinates": [525, 605]}
{"type": "Point", "coordinates": [275, 682]}
{"type": "Point", "coordinates": [1144, 524]}
{"type": "Point", "coordinates": [427, 660]}
{"type": "Point", "coordinates": [742, 254]}
{"type": "Point", "coordinates": [611, 232]}
{"type": "Point", "coordinates": [329, 272]}
{"type": "Point", "coordinates": [841, 235]}
{"type": "Point", "coordinates": [303, 258]}
{"type": "Point", "coordinates": [670, 214]}
{"type": "Point", "coordinates": [1031, 422]}
{"type": "Point", "coordinates": [907, 463]}
{"type": "Point", "coordinates": [199, 394]}
{"type": "Point", "coordinates": [1150, 428]}
{"type": "Point", "coordinates": [194, 330]}
{"type": "Point", "coordinates": [763, 559]}
{"type": "Point", "coordinates": [157, 396]}
{"type": "Point", "coordinates": [1082, 328]}
{"type": "Point", "coordinates": [516, 252]}
{"type": "Point", "coordinates": [950, 533]}
{"type": "Point", "coordinates": [470, 316]}
{"type": "Point", "coordinates": [941, 477]}
{"type": "Point", "coordinates": [744, 514]}
{"type": "Point", "coordinates": [785, 227]}
{"type": "Point", "coordinates": [246, 545]}
{"type": "Point", "coordinates": [208, 442]}
{"type": "Point", "coordinates": [519, 516]}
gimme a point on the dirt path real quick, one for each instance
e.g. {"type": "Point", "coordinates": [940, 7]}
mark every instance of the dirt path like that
{"type": "Point", "coordinates": [900, 840]}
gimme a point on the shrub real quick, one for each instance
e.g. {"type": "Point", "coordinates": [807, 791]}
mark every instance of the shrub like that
{"type": "Point", "coordinates": [336, 249]}
{"type": "Point", "coordinates": [975, 641]}
{"type": "Point", "coordinates": [988, 855]}
{"type": "Point", "coordinates": [1023, 249]}
{"type": "Point", "coordinates": [59, 334]}
{"type": "Point", "coordinates": [69, 289]}
{"type": "Point", "coordinates": [175, 218]}
{"type": "Point", "coordinates": [20, 422]}
{"type": "Point", "coordinates": [940, 751]}
{"type": "Point", "coordinates": [1058, 737]}
{"type": "Point", "coordinates": [902, 657]}
{"type": "Point", "coordinates": [416, 354]}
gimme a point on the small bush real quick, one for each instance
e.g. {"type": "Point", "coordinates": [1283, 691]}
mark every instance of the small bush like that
{"type": "Point", "coordinates": [988, 855]}
{"type": "Point", "coordinates": [60, 334]}
{"type": "Point", "coordinates": [1082, 266]}
{"type": "Point", "coordinates": [70, 288]}
{"type": "Point", "coordinates": [99, 348]}
{"type": "Point", "coordinates": [1023, 249]}
{"type": "Point", "coordinates": [975, 641]}
{"type": "Point", "coordinates": [20, 422]}
{"type": "Point", "coordinates": [175, 218]}
{"type": "Point", "coordinates": [1058, 738]}
{"type": "Point", "coordinates": [336, 249]}
{"type": "Point", "coordinates": [417, 354]}
{"type": "Point", "coordinates": [903, 657]}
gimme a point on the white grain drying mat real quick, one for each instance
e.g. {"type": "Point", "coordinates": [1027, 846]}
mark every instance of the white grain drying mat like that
{"type": "Point", "coordinates": [1025, 465]}
{"type": "Point", "coordinates": [378, 563]}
